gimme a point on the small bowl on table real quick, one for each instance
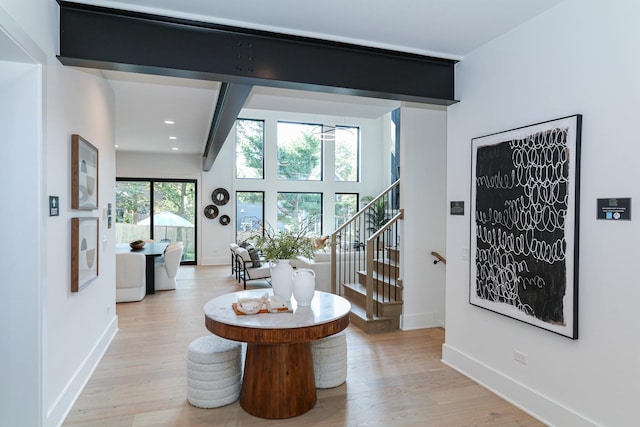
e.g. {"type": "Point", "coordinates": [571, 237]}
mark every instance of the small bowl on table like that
{"type": "Point", "coordinates": [137, 244]}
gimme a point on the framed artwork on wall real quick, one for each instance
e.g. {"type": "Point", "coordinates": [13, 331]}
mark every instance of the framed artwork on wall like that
{"type": "Point", "coordinates": [84, 252]}
{"type": "Point", "coordinates": [84, 174]}
{"type": "Point", "coordinates": [524, 224]}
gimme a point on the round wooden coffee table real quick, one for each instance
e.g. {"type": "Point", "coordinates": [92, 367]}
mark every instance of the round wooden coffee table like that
{"type": "Point", "coordinates": [278, 377]}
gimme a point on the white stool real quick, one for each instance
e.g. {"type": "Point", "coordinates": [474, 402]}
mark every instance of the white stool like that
{"type": "Point", "coordinates": [330, 360]}
{"type": "Point", "coordinates": [213, 372]}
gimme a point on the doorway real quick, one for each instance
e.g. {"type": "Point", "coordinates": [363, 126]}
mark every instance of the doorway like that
{"type": "Point", "coordinates": [158, 209]}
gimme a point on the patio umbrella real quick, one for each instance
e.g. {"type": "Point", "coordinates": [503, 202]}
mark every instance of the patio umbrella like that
{"type": "Point", "coordinates": [166, 219]}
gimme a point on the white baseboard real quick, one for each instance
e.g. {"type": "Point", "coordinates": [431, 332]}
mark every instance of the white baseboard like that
{"type": "Point", "coordinates": [59, 410]}
{"type": "Point", "coordinates": [532, 402]}
{"type": "Point", "coordinates": [421, 321]}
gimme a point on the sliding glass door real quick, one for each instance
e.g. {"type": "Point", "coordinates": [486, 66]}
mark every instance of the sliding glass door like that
{"type": "Point", "coordinates": [158, 209]}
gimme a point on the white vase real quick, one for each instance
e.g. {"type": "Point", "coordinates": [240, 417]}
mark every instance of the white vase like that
{"type": "Point", "coordinates": [304, 286]}
{"type": "Point", "coordinates": [281, 278]}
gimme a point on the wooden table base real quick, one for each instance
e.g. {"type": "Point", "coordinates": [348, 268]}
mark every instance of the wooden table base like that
{"type": "Point", "coordinates": [278, 380]}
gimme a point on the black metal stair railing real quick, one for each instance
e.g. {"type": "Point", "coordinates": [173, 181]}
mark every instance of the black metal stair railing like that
{"type": "Point", "coordinates": [362, 246]}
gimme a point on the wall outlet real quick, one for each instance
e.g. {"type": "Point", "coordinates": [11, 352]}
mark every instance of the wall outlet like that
{"type": "Point", "coordinates": [519, 357]}
{"type": "Point", "coordinates": [465, 254]}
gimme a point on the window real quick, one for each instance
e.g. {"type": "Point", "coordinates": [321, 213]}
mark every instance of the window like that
{"type": "Point", "coordinates": [249, 213]}
{"type": "Point", "coordinates": [345, 207]}
{"type": "Point", "coordinates": [347, 144]}
{"type": "Point", "coordinates": [249, 149]}
{"type": "Point", "coordinates": [133, 204]}
{"type": "Point", "coordinates": [295, 209]}
{"type": "Point", "coordinates": [299, 151]}
{"type": "Point", "coordinates": [162, 210]}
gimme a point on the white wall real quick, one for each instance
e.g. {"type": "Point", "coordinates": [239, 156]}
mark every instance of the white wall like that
{"type": "Point", "coordinates": [56, 337]}
{"type": "Point", "coordinates": [577, 58]}
{"type": "Point", "coordinates": [423, 196]}
{"type": "Point", "coordinates": [20, 305]}
{"type": "Point", "coordinates": [214, 238]}
{"type": "Point", "coordinates": [77, 326]}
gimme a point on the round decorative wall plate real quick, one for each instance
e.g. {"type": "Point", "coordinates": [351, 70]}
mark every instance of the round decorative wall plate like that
{"type": "Point", "coordinates": [211, 211]}
{"type": "Point", "coordinates": [225, 220]}
{"type": "Point", "coordinates": [220, 196]}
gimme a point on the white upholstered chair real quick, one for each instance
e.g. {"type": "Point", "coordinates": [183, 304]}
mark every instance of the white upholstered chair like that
{"type": "Point", "coordinates": [247, 268]}
{"type": "Point", "coordinates": [165, 273]}
{"type": "Point", "coordinates": [130, 277]}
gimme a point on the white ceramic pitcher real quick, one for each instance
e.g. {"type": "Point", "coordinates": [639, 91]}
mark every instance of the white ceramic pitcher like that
{"type": "Point", "coordinates": [304, 286]}
{"type": "Point", "coordinates": [281, 279]}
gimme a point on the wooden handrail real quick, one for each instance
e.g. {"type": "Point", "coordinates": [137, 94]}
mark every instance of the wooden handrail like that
{"type": "Point", "coordinates": [439, 257]}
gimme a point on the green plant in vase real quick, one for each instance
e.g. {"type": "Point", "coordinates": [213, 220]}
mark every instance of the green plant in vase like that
{"type": "Point", "coordinates": [284, 244]}
{"type": "Point", "coordinates": [278, 247]}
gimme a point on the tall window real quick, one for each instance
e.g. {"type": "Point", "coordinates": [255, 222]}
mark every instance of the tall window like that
{"type": "Point", "coordinates": [162, 210]}
{"type": "Point", "coordinates": [249, 213]}
{"type": "Point", "coordinates": [299, 151]}
{"type": "Point", "coordinates": [249, 149]}
{"type": "Point", "coordinates": [345, 207]}
{"type": "Point", "coordinates": [133, 204]}
{"type": "Point", "coordinates": [347, 153]}
{"type": "Point", "coordinates": [295, 209]}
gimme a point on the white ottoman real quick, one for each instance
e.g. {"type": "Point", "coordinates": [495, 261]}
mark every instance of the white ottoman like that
{"type": "Point", "coordinates": [213, 372]}
{"type": "Point", "coordinates": [330, 360]}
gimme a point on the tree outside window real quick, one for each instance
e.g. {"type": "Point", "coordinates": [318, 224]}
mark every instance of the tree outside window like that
{"type": "Point", "coordinates": [249, 149]}
{"type": "Point", "coordinates": [300, 208]}
{"type": "Point", "coordinates": [346, 205]}
{"type": "Point", "coordinates": [299, 151]}
{"type": "Point", "coordinates": [347, 150]}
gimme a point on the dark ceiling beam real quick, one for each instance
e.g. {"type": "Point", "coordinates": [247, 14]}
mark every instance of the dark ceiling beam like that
{"type": "Point", "coordinates": [114, 39]}
{"type": "Point", "coordinates": [98, 37]}
{"type": "Point", "coordinates": [230, 101]}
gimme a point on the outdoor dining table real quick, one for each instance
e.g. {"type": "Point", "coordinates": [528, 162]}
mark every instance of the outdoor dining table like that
{"type": "Point", "coordinates": [278, 379]}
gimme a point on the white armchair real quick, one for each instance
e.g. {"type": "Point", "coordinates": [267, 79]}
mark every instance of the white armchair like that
{"type": "Point", "coordinates": [165, 273]}
{"type": "Point", "coordinates": [247, 268]}
{"type": "Point", "coordinates": [130, 277]}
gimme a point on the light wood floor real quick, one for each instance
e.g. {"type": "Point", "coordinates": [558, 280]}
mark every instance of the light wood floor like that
{"type": "Point", "coordinates": [394, 379]}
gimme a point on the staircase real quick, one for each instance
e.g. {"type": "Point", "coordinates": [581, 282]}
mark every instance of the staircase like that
{"type": "Point", "coordinates": [366, 264]}
{"type": "Point", "coordinates": [386, 283]}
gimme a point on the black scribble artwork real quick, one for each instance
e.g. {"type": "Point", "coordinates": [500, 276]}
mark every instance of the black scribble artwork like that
{"type": "Point", "coordinates": [521, 208]}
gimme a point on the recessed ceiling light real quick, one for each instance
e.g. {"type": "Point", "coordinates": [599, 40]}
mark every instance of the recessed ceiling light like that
{"type": "Point", "coordinates": [116, 145]}
{"type": "Point", "coordinates": [174, 148]}
{"type": "Point", "coordinates": [169, 122]}
{"type": "Point", "coordinates": [172, 137]}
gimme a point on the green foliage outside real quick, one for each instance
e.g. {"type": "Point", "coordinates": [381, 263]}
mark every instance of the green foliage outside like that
{"type": "Point", "coordinates": [249, 148]}
{"type": "Point", "coordinates": [284, 244]}
{"type": "Point", "coordinates": [346, 150]}
{"type": "Point", "coordinates": [300, 159]}
{"type": "Point", "coordinates": [133, 201]}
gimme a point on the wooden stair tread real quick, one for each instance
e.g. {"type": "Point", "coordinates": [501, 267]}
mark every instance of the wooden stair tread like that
{"type": "Point", "coordinates": [375, 324]}
{"type": "Point", "coordinates": [387, 261]}
{"type": "Point", "coordinates": [393, 281]}
{"type": "Point", "coordinates": [362, 313]}
{"type": "Point", "coordinates": [362, 289]}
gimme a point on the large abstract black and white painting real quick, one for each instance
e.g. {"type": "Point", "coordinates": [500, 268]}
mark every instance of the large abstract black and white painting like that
{"type": "Point", "coordinates": [524, 224]}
